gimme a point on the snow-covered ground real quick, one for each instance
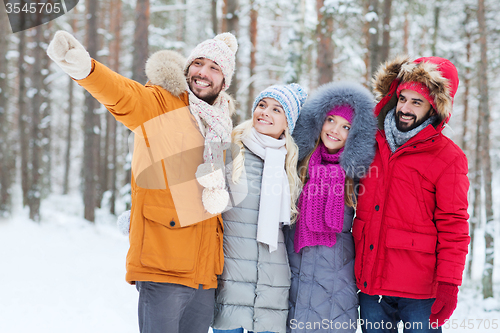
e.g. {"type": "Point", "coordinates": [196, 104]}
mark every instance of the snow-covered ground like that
{"type": "Point", "coordinates": [66, 275]}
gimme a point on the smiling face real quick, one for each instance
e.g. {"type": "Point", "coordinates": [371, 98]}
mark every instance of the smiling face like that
{"type": "Point", "coordinates": [205, 79]}
{"type": "Point", "coordinates": [269, 118]}
{"type": "Point", "coordinates": [412, 110]}
{"type": "Point", "coordinates": [334, 133]}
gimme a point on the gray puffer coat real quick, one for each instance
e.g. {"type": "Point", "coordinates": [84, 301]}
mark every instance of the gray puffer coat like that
{"type": "Point", "coordinates": [323, 294]}
{"type": "Point", "coordinates": [323, 290]}
{"type": "Point", "coordinates": [253, 288]}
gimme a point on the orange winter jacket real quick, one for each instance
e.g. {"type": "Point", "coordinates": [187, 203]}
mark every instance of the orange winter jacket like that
{"type": "Point", "coordinates": [161, 250]}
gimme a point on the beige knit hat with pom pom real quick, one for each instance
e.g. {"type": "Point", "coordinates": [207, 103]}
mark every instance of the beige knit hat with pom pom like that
{"type": "Point", "coordinates": [221, 50]}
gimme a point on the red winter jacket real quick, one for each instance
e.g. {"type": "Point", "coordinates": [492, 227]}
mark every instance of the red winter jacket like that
{"type": "Point", "coordinates": [411, 228]}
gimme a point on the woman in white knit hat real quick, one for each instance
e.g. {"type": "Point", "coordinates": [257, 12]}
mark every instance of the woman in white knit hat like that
{"type": "Point", "coordinates": [263, 188]}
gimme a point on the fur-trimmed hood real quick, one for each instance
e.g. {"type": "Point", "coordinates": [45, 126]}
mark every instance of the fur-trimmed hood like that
{"type": "Point", "coordinates": [166, 69]}
{"type": "Point", "coordinates": [360, 145]}
{"type": "Point", "coordinates": [438, 74]}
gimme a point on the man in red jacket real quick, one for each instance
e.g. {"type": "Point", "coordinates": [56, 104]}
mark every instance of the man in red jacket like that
{"type": "Point", "coordinates": [411, 229]}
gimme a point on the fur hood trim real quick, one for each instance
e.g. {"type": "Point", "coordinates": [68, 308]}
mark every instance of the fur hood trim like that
{"type": "Point", "coordinates": [438, 74]}
{"type": "Point", "coordinates": [360, 146]}
{"type": "Point", "coordinates": [166, 69]}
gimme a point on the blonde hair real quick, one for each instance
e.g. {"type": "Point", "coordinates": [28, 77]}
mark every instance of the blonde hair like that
{"type": "Point", "coordinates": [238, 154]}
{"type": "Point", "coordinates": [349, 193]}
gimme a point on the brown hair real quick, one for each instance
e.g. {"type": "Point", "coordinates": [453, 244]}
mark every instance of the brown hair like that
{"type": "Point", "coordinates": [349, 193]}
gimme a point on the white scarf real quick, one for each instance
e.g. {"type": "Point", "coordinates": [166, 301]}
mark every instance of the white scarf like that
{"type": "Point", "coordinates": [274, 204]}
{"type": "Point", "coordinates": [216, 126]}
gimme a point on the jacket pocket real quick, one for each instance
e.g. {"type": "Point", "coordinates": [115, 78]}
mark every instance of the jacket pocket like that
{"type": "Point", "coordinates": [400, 239]}
{"type": "Point", "coordinates": [357, 233]}
{"type": "Point", "coordinates": [410, 262]}
{"type": "Point", "coordinates": [166, 245]}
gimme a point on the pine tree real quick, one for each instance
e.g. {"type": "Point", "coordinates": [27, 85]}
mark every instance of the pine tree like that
{"type": "Point", "coordinates": [484, 113]}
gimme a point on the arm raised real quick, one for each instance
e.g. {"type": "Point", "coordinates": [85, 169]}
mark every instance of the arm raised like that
{"type": "Point", "coordinates": [69, 54]}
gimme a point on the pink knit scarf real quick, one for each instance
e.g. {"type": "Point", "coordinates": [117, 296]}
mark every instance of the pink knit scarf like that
{"type": "Point", "coordinates": [321, 203]}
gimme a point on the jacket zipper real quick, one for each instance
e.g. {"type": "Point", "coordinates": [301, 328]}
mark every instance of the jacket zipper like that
{"type": "Point", "coordinates": [405, 146]}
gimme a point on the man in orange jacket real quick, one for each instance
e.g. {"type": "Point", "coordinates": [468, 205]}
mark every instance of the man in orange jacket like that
{"type": "Point", "coordinates": [181, 123]}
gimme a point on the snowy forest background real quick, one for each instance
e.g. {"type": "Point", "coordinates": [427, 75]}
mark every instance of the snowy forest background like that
{"type": "Point", "coordinates": [64, 162]}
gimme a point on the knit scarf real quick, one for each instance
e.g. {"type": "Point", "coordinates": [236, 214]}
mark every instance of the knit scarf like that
{"type": "Point", "coordinates": [395, 137]}
{"type": "Point", "coordinates": [216, 126]}
{"type": "Point", "coordinates": [321, 203]}
{"type": "Point", "coordinates": [274, 206]}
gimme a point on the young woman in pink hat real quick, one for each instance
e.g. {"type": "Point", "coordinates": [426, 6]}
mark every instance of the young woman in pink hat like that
{"type": "Point", "coordinates": [335, 134]}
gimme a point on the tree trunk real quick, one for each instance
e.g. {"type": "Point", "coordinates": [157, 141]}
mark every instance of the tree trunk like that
{"type": "Point", "coordinates": [23, 122]}
{"type": "Point", "coordinates": [374, 36]}
{"type": "Point", "coordinates": [468, 37]}
{"type": "Point", "coordinates": [141, 45]}
{"type": "Point", "coordinates": [215, 21]}
{"type": "Point", "coordinates": [181, 24]}
{"type": "Point", "coordinates": [296, 52]}
{"type": "Point", "coordinates": [386, 35]}
{"type": "Point", "coordinates": [69, 127]}
{"type": "Point", "coordinates": [324, 32]}
{"type": "Point", "coordinates": [486, 160]}
{"type": "Point", "coordinates": [406, 32]}
{"type": "Point", "coordinates": [224, 16]}
{"type": "Point", "coordinates": [253, 50]}
{"type": "Point", "coordinates": [105, 148]}
{"type": "Point", "coordinates": [366, 34]}
{"type": "Point", "coordinates": [90, 148]}
{"type": "Point", "coordinates": [476, 203]}
{"type": "Point", "coordinates": [69, 131]}
{"type": "Point", "coordinates": [233, 26]}
{"type": "Point", "coordinates": [437, 11]}
{"type": "Point", "coordinates": [46, 127]}
{"type": "Point", "coordinates": [476, 185]}
{"type": "Point", "coordinates": [113, 169]}
{"type": "Point", "coordinates": [35, 189]}
{"type": "Point", "coordinates": [7, 158]}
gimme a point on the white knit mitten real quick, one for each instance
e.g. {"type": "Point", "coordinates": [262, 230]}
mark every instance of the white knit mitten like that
{"type": "Point", "coordinates": [70, 55]}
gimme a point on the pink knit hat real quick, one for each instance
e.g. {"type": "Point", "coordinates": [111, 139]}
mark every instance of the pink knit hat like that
{"type": "Point", "coordinates": [418, 87]}
{"type": "Point", "coordinates": [345, 111]}
{"type": "Point", "coordinates": [221, 50]}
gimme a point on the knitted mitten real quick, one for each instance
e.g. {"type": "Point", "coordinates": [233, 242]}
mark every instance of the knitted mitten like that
{"type": "Point", "coordinates": [70, 55]}
{"type": "Point", "coordinates": [445, 303]}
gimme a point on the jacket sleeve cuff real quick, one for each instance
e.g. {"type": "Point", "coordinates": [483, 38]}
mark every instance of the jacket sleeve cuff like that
{"type": "Point", "coordinates": [92, 66]}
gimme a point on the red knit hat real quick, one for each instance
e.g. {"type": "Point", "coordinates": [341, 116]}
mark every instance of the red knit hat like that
{"type": "Point", "coordinates": [418, 87]}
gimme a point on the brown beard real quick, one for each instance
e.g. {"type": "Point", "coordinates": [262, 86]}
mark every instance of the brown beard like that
{"type": "Point", "coordinates": [210, 98]}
